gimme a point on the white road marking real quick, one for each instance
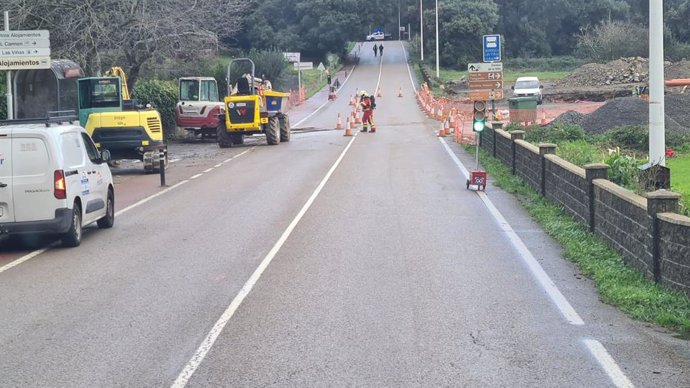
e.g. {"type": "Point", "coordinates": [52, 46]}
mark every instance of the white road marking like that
{"type": "Point", "coordinates": [147, 199]}
{"type": "Point", "coordinates": [542, 278]}
{"type": "Point", "coordinates": [23, 259]}
{"type": "Point", "coordinates": [618, 378]}
{"type": "Point", "coordinates": [327, 102]}
{"type": "Point", "coordinates": [196, 176]}
{"type": "Point", "coordinates": [218, 327]}
{"type": "Point", "coordinates": [211, 169]}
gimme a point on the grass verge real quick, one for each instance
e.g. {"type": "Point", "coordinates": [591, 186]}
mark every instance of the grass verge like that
{"type": "Point", "coordinates": [618, 284]}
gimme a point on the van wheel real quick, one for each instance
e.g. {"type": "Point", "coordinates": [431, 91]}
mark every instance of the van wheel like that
{"type": "Point", "coordinates": [73, 236]}
{"type": "Point", "coordinates": [109, 218]}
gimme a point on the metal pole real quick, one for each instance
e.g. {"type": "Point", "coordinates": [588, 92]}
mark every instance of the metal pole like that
{"type": "Point", "coordinates": [399, 32]}
{"type": "Point", "coordinates": [421, 30]}
{"type": "Point", "coordinates": [8, 78]}
{"type": "Point", "coordinates": [657, 140]}
{"type": "Point", "coordinates": [161, 165]}
{"type": "Point", "coordinates": [438, 73]}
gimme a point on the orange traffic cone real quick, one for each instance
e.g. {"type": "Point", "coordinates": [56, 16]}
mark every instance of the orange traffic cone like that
{"type": "Point", "coordinates": [352, 100]}
{"type": "Point", "coordinates": [378, 93]}
{"type": "Point", "coordinates": [358, 120]}
{"type": "Point", "coordinates": [543, 118]}
{"type": "Point", "coordinates": [400, 92]}
{"type": "Point", "coordinates": [442, 131]}
{"type": "Point", "coordinates": [348, 130]}
{"type": "Point", "coordinates": [446, 127]}
{"type": "Point", "coordinates": [339, 124]}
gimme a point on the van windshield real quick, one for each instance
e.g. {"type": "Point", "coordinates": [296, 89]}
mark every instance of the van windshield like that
{"type": "Point", "coordinates": [189, 90]}
{"type": "Point", "coordinates": [527, 84]}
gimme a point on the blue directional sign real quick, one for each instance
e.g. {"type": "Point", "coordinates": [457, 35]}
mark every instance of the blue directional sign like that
{"type": "Point", "coordinates": [492, 48]}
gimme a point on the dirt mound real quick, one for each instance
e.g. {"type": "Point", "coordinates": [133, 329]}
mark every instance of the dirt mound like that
{"type": "Point", "coordinates": [570, 117]}
{"type": "Point", "coordinates": [633, 70]}
{"type": "Point", "coordinates": [635, 111]}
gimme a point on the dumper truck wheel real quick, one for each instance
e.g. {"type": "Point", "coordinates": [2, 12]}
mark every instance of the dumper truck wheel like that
{"type": "Point", "coordinates": [223, 136]}
{"type": "Point", "coordinates": [273, 131]}
{"type": "Point", "coordinates": [285, 130]}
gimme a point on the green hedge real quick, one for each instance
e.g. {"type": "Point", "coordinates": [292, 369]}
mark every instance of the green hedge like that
{"type": "Point", "coordinates": [162, 95]}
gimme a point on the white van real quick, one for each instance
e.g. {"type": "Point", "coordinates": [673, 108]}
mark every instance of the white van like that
{"type": "Point", "coordinates": [53, 180]}
{"type": "Point", "coordinates": [528, 86]}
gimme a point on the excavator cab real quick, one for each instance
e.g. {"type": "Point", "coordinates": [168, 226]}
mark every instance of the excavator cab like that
{"type": "Point", "coordinates": [115, 122]}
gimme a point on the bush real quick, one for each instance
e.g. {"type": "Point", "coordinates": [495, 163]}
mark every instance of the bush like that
{"type": "Point", "coordinates": [162, 95]}
{"type": "Point", "coordinates": [624, 171]}
{"type": "Point", "coordinates": [557, 133]}
{"type": "Point", "coordinates": [579, 152]}
{"type": "Point", "coordinates": [612, 40]}
{"type": "Point", "coordinates": [630, 137]}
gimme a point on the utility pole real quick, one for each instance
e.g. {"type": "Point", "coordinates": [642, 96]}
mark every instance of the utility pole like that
{"type": "Point", "coordinates": [438, 72]}
{"type": "Point", "coordinates": [399, 32]}
{"type": "Point", "coordinates": [421, 30]}
{"type": "Point", "coordinates": [657, 135]}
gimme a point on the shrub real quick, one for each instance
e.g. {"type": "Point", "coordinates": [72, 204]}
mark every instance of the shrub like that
{"type": "Point", "coordinates": [624, 171]}
{"type": "Point", "coordinates": [630, 137]}
{"type": "Point", "coordinates": [612, 40]}
{"type": "Point", "coordinates": [162, 95]}
{"type": "Point", "coordinates": [579, 152]}
{"type": "Point", "coordinates": [557, 133]}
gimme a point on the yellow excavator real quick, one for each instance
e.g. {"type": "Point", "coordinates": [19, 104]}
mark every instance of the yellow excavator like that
{"type": "Point", "coordinates": [118, 123]}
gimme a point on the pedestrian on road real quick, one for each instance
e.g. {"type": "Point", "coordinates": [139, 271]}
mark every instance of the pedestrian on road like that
{"type": "Point", "coordinates": [375, 48]}
{"type": "Point", "coordinates": [368, 115]}
{"type": "Point", "coordinates": [328, 77]}
{"type": "Point", "coordinates": [381, 49]}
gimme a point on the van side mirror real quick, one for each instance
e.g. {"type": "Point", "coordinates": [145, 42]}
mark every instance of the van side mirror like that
{"type": "Point", "coordinates": [105, 156]}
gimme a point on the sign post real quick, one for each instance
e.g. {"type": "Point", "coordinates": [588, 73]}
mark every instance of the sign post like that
{"type": "Point", "coordinates": [485, 81]}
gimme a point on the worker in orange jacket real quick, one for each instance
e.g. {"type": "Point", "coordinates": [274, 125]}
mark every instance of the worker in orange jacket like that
{"type": "Point", "coordinates": [367, 105]}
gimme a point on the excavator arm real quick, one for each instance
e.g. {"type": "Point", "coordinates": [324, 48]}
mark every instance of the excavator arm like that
{"type": "Point", "coordinates": [117, 71]}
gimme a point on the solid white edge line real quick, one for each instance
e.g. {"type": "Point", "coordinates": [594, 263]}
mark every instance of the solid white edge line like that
{"type": "Point", "coordinates": [218, 327]}
{"type": "Point", "coordinates": [538, 272]}
{"type": "Point", "coordinates": [23, 259]}
{"type": "Point", "coordinates": [195, 176]}
{"type": "Point", "coordinates": [210, 169]}
{"type": "Point", "coordinates": [618, 378]}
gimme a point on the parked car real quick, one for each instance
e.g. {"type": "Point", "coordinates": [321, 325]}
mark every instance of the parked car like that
{"type": "Point", "coordinates": [53, 180]}
{"type": "Point", "coordinates": [528, 87]}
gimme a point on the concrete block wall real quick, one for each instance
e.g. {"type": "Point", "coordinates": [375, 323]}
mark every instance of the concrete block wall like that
{"type": "Point", "coordinates": [566, 185]}
{"type": "Point", "coordinates": [674, 253]}
{"type": "Point", "coordinates": [646, 230]}
{"type": "Point", "coordinates": [621, 219]}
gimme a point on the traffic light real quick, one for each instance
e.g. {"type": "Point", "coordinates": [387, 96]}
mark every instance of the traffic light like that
{"type": "Point", "coordinates": [479, 116]}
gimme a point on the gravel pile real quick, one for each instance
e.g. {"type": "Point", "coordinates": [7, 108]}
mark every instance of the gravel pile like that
{"type": "Point", "coordinates": [631, 70]}
{"type": "Point", "coordinates": [635, 111]}
{"type": "Point", "coordinates": [570, 117]}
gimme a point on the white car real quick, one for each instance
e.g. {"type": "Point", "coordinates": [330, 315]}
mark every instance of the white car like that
{"type": "Point", "coordinates": [528, 87]}
{"type": "Point", "coordinates": [53, 180]}
{"type": "Point", "coordinates": [378, 35]}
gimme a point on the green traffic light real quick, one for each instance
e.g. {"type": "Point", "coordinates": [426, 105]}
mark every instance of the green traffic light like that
{"type": "Point", "coordinates": [478, 125]}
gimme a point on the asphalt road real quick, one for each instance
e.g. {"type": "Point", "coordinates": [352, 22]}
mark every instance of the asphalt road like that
{"type": "Point", "coordinates": [326, 261]}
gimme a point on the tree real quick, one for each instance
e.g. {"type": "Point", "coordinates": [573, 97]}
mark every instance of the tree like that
{"type": "Point", "coordinates": [129, 33]}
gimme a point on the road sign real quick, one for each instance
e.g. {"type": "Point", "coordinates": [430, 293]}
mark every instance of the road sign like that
{"type": "Point", "coordinates": [492, 48]}
{"type": "Point", "coordinates": [480, 85]}
{"type": "Point", "coordinates": [25, 34]}
{"type": "Point", "coordinates": [25, 52]}
{"type": "Point", "coordinates": [304, 66]}
{"type": "Point", "coordinates": [485, 81]}
{"type": "Point", "coordinates": [321, 67]}
{"type": "Point", "coordinates": [21, 63]}
{"type": "Point", "coordinates": [484, 67]}
{"type": "Point", "coordinates": [292, 57]}
{"type": "Point", "coordinates": [24, 43]}
{"type": "Point", "coordinates": [486, 95]}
